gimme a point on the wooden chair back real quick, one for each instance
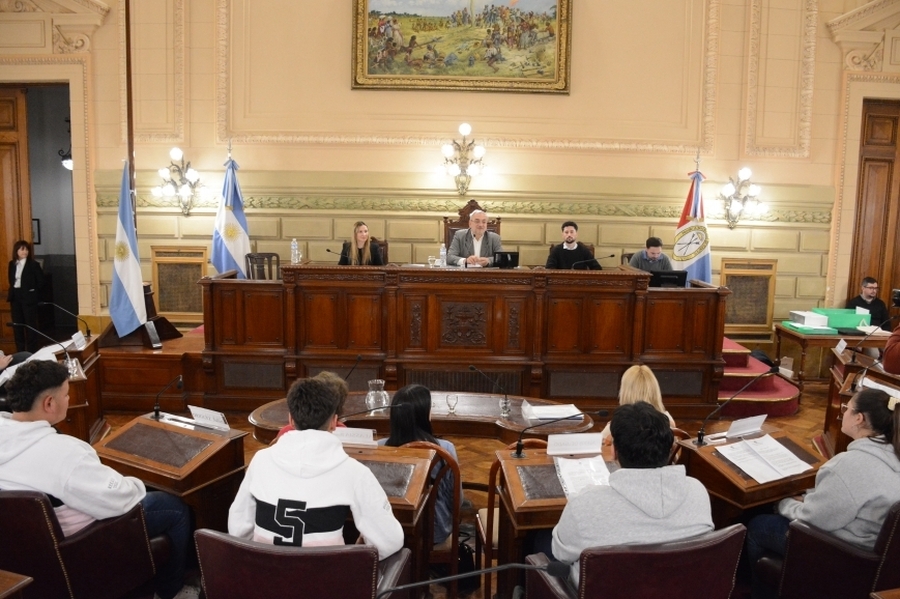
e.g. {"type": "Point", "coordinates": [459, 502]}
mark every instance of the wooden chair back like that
{"type": "Point", "coordinates": [263, 266]}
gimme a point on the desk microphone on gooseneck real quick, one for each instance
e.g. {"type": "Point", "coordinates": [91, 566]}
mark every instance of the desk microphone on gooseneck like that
{"type": "Point", "coordinates": [341, 254]}
{"type": "Point", "coordinates": [588, 261]}
{"type": "Point", "coordinates": [87, 329]}
{"type": "Point", "coordinates": [702, 432]}
{"type": "Point", "coordinates": [355, 364]}
{"type": "Point", "coordinates": [49, 338]}
{"type": "Point", "coordinates": [178, 380]}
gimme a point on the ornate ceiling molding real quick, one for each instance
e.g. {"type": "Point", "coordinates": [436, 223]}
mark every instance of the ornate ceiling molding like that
{"type": "Point", "coordinates": [805, 85]}
{"type": "Point", "coordinates": [707, 118]}
{"type": "Point", "coordinates": [869, 37]}
{"type": "Point", "coordinates": [70, 26]}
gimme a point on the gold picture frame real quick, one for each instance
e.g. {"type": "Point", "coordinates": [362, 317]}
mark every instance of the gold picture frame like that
{"type": "Point", "coordinates": [449, 45]}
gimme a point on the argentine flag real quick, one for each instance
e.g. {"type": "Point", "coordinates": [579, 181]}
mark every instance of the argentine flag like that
{"type": "Point", "coordinates": [231, 241]}
{"type": "Point", "coordinates": [126, 300]}
{"type": "Point", "coordinates": [691, 250]}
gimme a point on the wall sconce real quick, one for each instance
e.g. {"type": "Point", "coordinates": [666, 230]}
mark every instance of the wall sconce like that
{"type": "Point", "coordinates": [180, 180]}
{"type": "Point", "coordinates": [462, 159]}
{"type": "Point", "coordinates": [740, 199]}
{"type": "Point", "coordinates": [65, 156]}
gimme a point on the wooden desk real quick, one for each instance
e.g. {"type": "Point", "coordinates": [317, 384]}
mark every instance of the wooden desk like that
{"type": "Point", "coordinates": [85, 416]}
{"type": "Point", "coordinates": [403, 474]}
{"type": "Point", "coordinates": [888, 594]}
{"type": "Point", "coordinates": [202, 466]}
{"type": "Point", "coordinates": [807, 341]}
{"type": "Point", "coordinates": [11, 584]}
{"type": "Point", "coordinates": [477, 415]}
{"type": "Point", "coordinates": [731, 490]}
{"type": "Point", "coordinates": [530, 498]}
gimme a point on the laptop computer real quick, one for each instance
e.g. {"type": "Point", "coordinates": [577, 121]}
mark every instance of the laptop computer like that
{"type": "Point", "coordinates": [668, 278]}
{"type": "Point", "coordinates": [506, 259]}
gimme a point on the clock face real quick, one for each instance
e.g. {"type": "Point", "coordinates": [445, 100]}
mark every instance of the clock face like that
{"type": "Point", "coordinates": [690, 242]}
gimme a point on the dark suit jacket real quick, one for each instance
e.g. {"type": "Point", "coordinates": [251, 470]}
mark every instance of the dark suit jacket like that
{"type": "Point", "coordinates": [32, 281]}
{"type": "Point", "coordinates": [376, 255]}
{"type": "Point", "coordinates": [463, 246]}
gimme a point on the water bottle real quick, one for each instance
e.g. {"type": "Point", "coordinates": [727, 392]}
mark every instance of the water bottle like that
{"type": "Point", "coordinates": [295, 251]}
{"type": "Point", "coordinates": [443, 256]}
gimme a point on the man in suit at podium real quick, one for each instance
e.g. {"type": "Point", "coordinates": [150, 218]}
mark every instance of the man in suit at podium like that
{"type": "Point", "coordinates": [34, 457]}
{"type": "Point", "coordinates": [476, 245]}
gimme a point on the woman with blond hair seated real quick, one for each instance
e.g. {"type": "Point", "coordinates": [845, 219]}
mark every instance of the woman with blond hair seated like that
{"type": "Point", "coordinates": [360, 251]}
{"type": "Point", "coordinates": [640, 384]}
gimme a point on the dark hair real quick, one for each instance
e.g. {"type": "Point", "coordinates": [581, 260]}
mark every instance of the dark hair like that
{"type": "Point", "coordinates": [22, 244]}
{"type": "Point", "coordinates": [569, 223]}
{"type": "Point", "coordinates": [410, 410]}
{"type": "Point", "coordinates": [641, 436]}
{"type": "Point", "coordinates": [311, 403]}
{"type": "Point", "coordinates": [869, 281]}
{"type": "Point", "coordinates": [30, 380]}
{"type": "Point", "coordinates": [873, 405]}
{"type": "Point", "coordinates": [654, 242]}
{"type": "Point", "coordinates": [337, 385]}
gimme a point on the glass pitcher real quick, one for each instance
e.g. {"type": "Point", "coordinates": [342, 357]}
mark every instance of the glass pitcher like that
{"type": "Point", "coordinates": [377, 397]}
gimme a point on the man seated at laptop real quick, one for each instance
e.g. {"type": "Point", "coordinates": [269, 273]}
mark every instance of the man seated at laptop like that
{"type": "Point", "coordinates": [476, 245]}
{"type": "Point", "coordinates": [571, 253]}
{"type": "Point", "coordinates": [651, 258]}
{"type": "Point", "coordinates": [646, 501]}
{"type": "Point", "coordinates": [301, 490]}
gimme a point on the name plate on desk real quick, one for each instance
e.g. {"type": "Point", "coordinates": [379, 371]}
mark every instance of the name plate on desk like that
{"type": "Point", "coordinates": [356, 436]}
{"type": "Point", "coordinates": [575, 444]}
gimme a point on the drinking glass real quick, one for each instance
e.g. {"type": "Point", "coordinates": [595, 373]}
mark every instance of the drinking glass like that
{"type": "Point", "coordinates": [452, 400]}
{"type": "Point", "coordinates": [431, 260]}
{"type": "Point", "coordinates": [505, 405]}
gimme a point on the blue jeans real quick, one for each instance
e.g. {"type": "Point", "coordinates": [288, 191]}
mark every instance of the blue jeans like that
{"type": "Point", "coordinates": [167, 514]}
{"type": "Point", "coordinates": [766, 533]}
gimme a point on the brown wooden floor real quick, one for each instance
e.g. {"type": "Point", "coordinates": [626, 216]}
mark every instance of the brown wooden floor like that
{"type": "Point", "coordinates": [476, 455]}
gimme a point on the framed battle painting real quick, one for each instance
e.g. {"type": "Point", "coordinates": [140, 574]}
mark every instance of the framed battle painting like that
{"type": "Point", "coordinates": [511, 46]}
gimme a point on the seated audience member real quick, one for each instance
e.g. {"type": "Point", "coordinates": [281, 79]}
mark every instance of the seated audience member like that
{"type": "Point", "coordinates": [571, 252]}
{"type": "Point", "coordinates": [646, 501]}
{"type": "Point", "coordinates": [361, 251]}
{"type": "Point", "coordinates": [301, 490]}
{"type": "Point", "coordinates": [411, 421]}
{"type": "Point", "coordinates": [338, 387]}
{"type": "Point", "coordinates": [640, 384]}
{"type": "Point", "coordinates": [854, 489]}
{"type": "Point", "coordinates": [868, 299]}
{"type": "Point", "coordinates": [651, 258]}
{"type": "Point", "coordinates": [34, 457]}
{"type": "Point", "coordinates": [476, 245]}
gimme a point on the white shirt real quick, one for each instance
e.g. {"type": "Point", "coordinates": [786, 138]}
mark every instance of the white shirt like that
{"type": "Point", "coordinates": [20, 266]}
{"type": "Point", "coordinates": [477, 244]}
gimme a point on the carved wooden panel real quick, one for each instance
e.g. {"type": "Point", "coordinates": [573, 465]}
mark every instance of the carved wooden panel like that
{"type": "Point", "coordinates": [881, 130]}
{"type": "Point", "coordinates": [264, 324]}
{"type": "Point", "coordinates": [464, 324]}
{"type": "Point", "coordinates": [564, 317]}
{"type": "Point", "coordinates": [364, 321]}
{"type": "Point", "coordinates": [665, 331]}
{"type": "Point", "coordinates": [229, 310]}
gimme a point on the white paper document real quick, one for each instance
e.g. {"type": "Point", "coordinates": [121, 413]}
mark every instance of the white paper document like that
{"type": "Point", "coordinates": [551, 412]}
{"type": "Point", "coordinates": [575, 444]}
{"type": "Point", "coordinates": [210, 418]}
{"type": "Point", "coordinates": [874, 331]}
{"type": "Point", "coordinates": [576, 474]}
{"type": "Point", "coordinates": [356, 436]}
{"type": "Point", "coordinates": [764, 459]}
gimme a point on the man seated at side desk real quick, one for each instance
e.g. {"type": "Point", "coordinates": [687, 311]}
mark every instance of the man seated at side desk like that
{"type": "Point", "coordinates": [868, 300]}
{"type": "Point", "coordinates": [476, 245]}
{"type": "Point", "coordinates": [646, 501]}
{"type": "Point", "coordinates": [300, 490]}
{"type": "Point", "coordinates": [651, 259]}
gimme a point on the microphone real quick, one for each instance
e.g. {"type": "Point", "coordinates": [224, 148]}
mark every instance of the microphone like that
{"type": "Point", "coordinates": [557, 569]}
{"type": "Point", "coordinates": [495, 384]}
{"type": "Point", "coordinates": [69, 363]}
{"type": "Point", "coordinates": [518, 453]}
{"type": "Point", "coordinates": [358, 358]}
{"type": "Point", "coordinates": [178, 380]}
{"type": "Point", "coordinates": [345, 417]}
{"type": "Point", "coordinates": [861, 341]}
{"type": "Point", "coordinates": [702, 432]}
{"type": "Point", "coordinates": [87, 329]}
{"type": "Point", "coordinates": [592, 260]}
{"type": "Point", "coordinates": [341, 254]}
{"type": "Point", "coordinates": [862, 375]}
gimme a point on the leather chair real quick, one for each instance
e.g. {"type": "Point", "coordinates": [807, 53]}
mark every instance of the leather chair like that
{"type": "Point", "coordinates": [818, 564]}
{"type": "Point", "coordinates": [702, 566]}
{"type": "Point", "coordinates": [263, 265]}
{"type": "Point", "coordinates": [383, 246]}
{"type": "Point", "coordinates": [452, 226]}
{"type": "Point", "coordinates": [107, 559]}
{"type": "Point", "coordinates": [233, 567]}
{"type": "Point", "coordinates": [448, 551]}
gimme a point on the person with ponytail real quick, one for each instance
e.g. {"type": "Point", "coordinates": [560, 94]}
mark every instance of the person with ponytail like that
{"type": "Point", "coordinates": [854, 490]}
{"type": "Point", "coordinates": [411, 421]}
{"type": "Point", "coordinates": [361, 251]}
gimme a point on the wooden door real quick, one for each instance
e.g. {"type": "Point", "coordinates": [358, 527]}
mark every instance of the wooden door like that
{"type": "Point", "coordinates": [878, 200]}
{"type": "Point", "coordinates": [15, 193]}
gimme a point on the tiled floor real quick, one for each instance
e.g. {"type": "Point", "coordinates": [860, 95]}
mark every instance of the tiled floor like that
{"type": "Point", "coordinates": [476, 455]}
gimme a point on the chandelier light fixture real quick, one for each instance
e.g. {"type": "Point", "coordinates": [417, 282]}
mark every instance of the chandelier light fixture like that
{"type": "Point", "coordinates": [463, 159]}
{"type": "Point", "coordinates": [181, 181]}
{"type": "Point", "coordinates": [741, 199]}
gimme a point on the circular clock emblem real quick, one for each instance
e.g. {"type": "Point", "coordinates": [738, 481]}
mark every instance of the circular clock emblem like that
{"type": "Point", "coordinates": [690, 242]}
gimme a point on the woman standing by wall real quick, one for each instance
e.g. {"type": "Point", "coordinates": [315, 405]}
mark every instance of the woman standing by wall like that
{"type": "Point", "coordinates": [25, 281]}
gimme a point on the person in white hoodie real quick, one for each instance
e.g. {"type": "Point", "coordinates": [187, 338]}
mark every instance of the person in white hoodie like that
{"type": "Point", "coordinates": [646, 501]}
{"type": "Point", "coordinates": [35, 457]}
{"type": "Point", "coordinates": [854, 490]}
{"type": "Point", "coordinates": [300, 490]}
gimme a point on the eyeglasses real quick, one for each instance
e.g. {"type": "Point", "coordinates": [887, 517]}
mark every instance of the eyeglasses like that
{"type": "Point", "coordinates": [875, 288]}
{"type": "Point", "coordinates": [845, 407]}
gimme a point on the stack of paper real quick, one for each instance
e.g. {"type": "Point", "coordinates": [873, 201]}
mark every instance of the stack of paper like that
{"type": "Point", "coordinates": [575, 475]}
{"type": "Point", "coordinates": [550, 412]}
{"type": "Point", "coordinates": [764, 459]}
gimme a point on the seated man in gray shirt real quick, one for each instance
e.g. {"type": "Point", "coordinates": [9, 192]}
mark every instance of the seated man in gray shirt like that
{"type": "Point", "coordinates": [651, 259]}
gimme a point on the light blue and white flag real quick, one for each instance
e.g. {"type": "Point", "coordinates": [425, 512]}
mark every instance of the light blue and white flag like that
{"type": "Point", "coordinates": [231, 239]}
{"type": "Point", "coordinates": [691, 250]}
{"type": "Point", "coordinates": [126, 300]}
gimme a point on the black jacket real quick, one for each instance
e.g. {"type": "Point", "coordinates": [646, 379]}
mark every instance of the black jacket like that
{"type": "Point", "coordinates": [32, 281]}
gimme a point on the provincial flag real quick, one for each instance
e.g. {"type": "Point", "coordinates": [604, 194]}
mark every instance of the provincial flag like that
{"type": "Point", "coordinates": [231, 240]}
{"type": "Point", "coordinates": [691, 250]}
{"type": "Point", "coordinates": [126, 300]}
